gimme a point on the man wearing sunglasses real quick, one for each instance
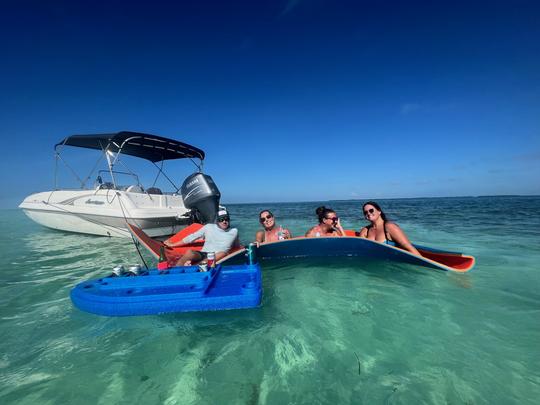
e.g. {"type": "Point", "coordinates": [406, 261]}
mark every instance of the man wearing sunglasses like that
{"type": "Point", "coordinates": [219, 238]}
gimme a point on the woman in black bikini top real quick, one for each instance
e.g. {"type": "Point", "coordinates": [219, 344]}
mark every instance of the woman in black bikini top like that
{"type": "Point", "coordinates": [381, 230]}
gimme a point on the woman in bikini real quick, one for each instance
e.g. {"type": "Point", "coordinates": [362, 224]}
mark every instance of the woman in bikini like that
{"type": "Point", "coordinates": [382, 230]}
{"type": "Point", "coordinates": [329, 224]}
{"type": "Point", "coordinates": [271, 232]}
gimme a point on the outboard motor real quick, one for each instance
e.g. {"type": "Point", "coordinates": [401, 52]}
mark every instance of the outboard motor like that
{"type": "Point", "coordinates": [201, 195]}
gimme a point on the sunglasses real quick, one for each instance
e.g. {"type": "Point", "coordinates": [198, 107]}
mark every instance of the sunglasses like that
{"type": "Point", "coordinates": [335, 219]}
{"type": "Point", "coordinates": [370, 211]}
{"type": "Point", "coordinates": [262, 219]}
{"type": "Point", "coordinates": [223, 219]}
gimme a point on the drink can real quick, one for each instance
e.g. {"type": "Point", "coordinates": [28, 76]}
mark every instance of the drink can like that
{"type": "Point", "coordinates": [118, 270]}
{"type": "Point", "coordinates": [211, 259]}
{"type": "Point", "coordinates": [134, 269]}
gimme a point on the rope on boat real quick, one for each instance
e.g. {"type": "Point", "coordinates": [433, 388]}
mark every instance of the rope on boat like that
{"type": "Point", "coordinates": [102, 224]}
{"type": "Point", "coordinates": [132, 237]}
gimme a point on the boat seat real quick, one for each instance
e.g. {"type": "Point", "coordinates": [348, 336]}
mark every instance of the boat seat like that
{"type": "Point", "coordinates": [154, 190]}
{"type": "Point", "coordinates": [134, 188]}
{"type": "Point", "coordinates": [106, 186]}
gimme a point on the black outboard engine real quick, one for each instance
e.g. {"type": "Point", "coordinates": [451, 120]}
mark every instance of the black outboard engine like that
{"type": "Point", "coordinates": [201, 195]}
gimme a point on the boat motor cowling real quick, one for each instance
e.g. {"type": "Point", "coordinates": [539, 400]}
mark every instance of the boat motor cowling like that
{"type": "Point", "coordinates": [201, 194]}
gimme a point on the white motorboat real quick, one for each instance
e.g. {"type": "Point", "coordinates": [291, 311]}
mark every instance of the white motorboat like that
{"type": "Point", "coordinates": [106, 208]}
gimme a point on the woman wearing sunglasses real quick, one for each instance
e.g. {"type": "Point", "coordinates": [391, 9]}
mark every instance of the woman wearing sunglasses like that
{"type": "Point", "coordinates": [382, 230]}
{"type": "Point", "coordinates": [329, 224]}
{"type": "Point", "coordinates": [272, 232]}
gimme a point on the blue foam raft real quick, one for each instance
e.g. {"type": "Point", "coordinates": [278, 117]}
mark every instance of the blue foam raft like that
{"type": "Point", "coordinates": [179, 289]}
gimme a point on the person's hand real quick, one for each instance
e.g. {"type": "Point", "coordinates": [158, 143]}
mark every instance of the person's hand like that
{"type": "Point", "coordinates": [286, 234]}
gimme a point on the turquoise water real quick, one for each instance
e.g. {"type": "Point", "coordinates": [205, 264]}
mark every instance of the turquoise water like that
{"type": "Point", "coordinates": [340, 331]}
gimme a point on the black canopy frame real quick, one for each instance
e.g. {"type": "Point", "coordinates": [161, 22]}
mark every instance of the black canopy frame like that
{"type": "Point", "coordinates": [153, 148]}
{"type": "Point", "coordinates": [150, 147]}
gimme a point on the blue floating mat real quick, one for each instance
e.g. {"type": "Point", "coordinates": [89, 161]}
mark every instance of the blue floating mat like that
{"type": "Point", "coordinates": [346, 246]}
{"type": "Point", "coordinates": [179, 289]}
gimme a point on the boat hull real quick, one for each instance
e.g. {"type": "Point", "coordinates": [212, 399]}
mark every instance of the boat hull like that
{"type": "Point", "coordinates": [106, 212]}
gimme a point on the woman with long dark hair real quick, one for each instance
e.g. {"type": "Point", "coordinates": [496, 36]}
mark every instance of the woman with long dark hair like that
{"type": "Point", "coordinates": [272, 232]}
{"type": "Point", "coordinates": [382, 230]}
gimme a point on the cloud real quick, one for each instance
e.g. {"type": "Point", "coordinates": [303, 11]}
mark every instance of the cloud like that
{"type": "Point", "coordinates": [291, 4]}
{"type": "Point", "coordinates": [409, 108]}
{"type": "Point", "coordinates": [496, 171]}
{"type": "Point", "coordinates": [247, 43]}
{"type": "Point", "coordinates": [528, 156]}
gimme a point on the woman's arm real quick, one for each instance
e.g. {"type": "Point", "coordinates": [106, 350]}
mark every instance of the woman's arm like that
{"type": "Point", "coordinates": [259, 237]}
{"type": "Point", "coordinates": [400, 238]}
{"type": "Point", "coordinates": [339, 228]}
{"type": "Point", "coordinates": [309, 233]}
{"type": "Point", "coordinates": [363, 232]}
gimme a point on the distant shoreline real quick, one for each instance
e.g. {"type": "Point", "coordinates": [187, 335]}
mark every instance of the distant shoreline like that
{"type": "Point", "coordinates": [358, 200]}
{"type": "Point", "coordinates": [386, 199]}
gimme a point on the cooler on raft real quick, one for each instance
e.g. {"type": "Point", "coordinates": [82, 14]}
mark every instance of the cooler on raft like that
{"type": "Point", "coordinates": [179, 289]}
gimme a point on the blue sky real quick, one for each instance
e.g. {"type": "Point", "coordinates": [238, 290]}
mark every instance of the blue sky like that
{"type": "Point", "coordinates": [291, 100]}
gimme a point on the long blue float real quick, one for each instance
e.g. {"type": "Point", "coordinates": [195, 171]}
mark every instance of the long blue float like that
{"type": "Point", "coordinates": [348, 246]}
{"type": "Point", "coordinates": [300, 248]}
{"type": "Point", "coordinates": [179, 289]}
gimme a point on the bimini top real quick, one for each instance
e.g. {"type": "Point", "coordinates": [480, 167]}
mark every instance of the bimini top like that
{"type": "Point", "coordinates": [150, 147]}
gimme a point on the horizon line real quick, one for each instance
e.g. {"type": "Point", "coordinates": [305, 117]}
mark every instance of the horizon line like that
{"type": "Point", "coordinates": [382, 199]}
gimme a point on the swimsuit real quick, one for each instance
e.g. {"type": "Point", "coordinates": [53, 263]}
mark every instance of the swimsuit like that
{"type": "Point", "coordinates": [271, 235]}
{"type": "Point", "coordinates": [318, 232]}
{"type": "Point", "coordinates": [386, 238]}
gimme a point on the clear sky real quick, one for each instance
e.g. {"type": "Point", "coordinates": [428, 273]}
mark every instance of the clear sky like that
{"type": "Point", "coordinates": [293, 100]}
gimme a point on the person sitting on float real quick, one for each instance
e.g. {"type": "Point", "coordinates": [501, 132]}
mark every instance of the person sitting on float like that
{"type": "Point", "coordinates": [219, 238]}
{"type": "Point", "coordinates": [329, 224]}
{"type": "Point", "coordinates": [384, 231]}
{"type": "Point", "coordinates": [272, 232]}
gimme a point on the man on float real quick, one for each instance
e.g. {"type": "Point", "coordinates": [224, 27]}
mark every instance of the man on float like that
{"type": "Point", "coordinates": [219, 238]}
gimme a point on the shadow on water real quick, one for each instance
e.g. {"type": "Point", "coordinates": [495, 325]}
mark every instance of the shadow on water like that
{"type": "Point", "coordinates": [277, 274]}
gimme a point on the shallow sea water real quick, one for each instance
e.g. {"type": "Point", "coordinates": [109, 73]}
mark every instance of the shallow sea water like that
{"type": "Point", "coordinates": [328, 331]}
